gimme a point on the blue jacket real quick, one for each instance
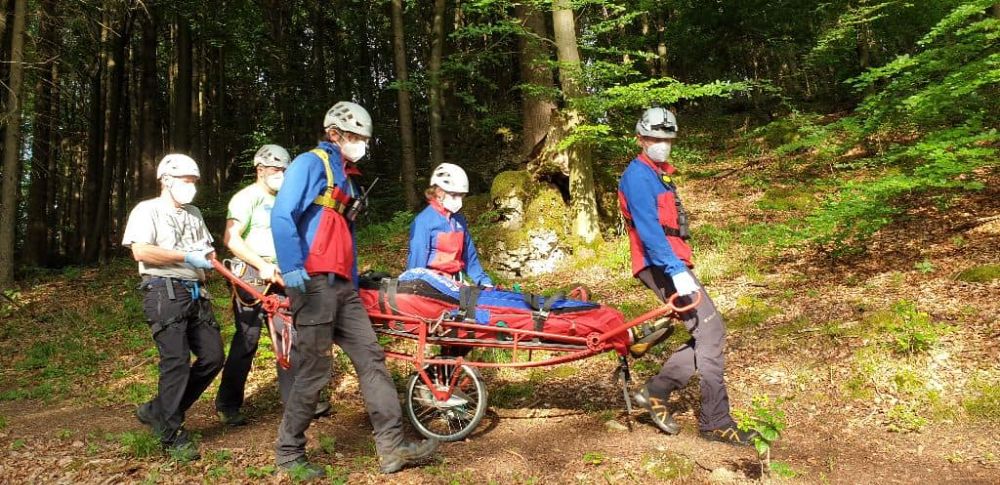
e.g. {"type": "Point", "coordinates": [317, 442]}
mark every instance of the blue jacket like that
{"type": "Point", "coordinates": [296, 220]}
{"type": "Point", "coordinates": [439, 240]}
{"type": "Point", "coordinates": [647, 201]}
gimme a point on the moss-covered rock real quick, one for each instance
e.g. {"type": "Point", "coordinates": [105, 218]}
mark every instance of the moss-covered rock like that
{"type": "Point", "coordinates": [980, 274]}
{"type": "Point", "coordinates": [512, 183]}
{"type": "Point", "coordinates": [547, 210]}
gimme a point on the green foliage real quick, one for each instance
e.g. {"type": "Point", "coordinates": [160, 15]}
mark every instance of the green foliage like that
{"type": "Point", "coordinates": [980, 274]}
{"type": "Point", "coordinates": [3, 422]}
{"type": "Point", "coordinates": [783, 470]}
{"type": "Point", "coordinates": [904, 418]}
{"type": "Point", "coordinates": [328, 444]}
{"type": "Point", "coordinates": [767, 420]}
{"type": "Point", "coordinates": [139, 444]}
{"type": "Point", "coordinates": [910, 329]}
{"type": "Point", "coordinates": [983, 399]}
{"type": "Point", "coordinates": [258, 473]}
{"type": "Point", "coordinates": [593, 458]}
{"type": "Point", "coordinates": [925, 266]}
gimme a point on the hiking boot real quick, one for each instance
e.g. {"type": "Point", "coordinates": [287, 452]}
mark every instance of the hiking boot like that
{"type": "Point", "coordinates": [233, 418]}
{"type": "Point", "coordinates": [731, 435]}
{"type": "Point", "coordinates": [645, 337]}
{"type": "Point", "coordinates": [407, 454]}
{"type": "Point", "coordinates": [322, 409]}
{"type": "Point", "coordinates": [144, 413]}
{"type": "Point", "coordinates": [300, 470]}
{"type": "Point", "coordinates": [181, 447]}
{"type": "Point", "coordinates": [658, 411]}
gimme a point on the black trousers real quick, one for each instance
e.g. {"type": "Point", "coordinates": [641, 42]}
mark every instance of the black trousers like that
{"type": "Point", "coordinates": [331, 312]}
{"type": "Point", "coordinates": [180, 326]}
{"type": "Point", "coordinates": [250, 322]}
{"type": "Point", "coordinates": [704, 353]}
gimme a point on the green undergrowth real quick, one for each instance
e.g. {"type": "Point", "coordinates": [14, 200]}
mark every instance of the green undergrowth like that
{"type": "Point", "coordinates": [83, 335]}
{"type": "Point", "coordinates": [901, 368]}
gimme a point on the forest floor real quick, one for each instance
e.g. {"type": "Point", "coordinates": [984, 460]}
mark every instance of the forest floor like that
{"type": "Point", "coordinates": [873, 390]}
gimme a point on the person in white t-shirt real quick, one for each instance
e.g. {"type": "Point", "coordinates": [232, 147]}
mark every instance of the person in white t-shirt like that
{"type": "Point", "coordinates": [171, 242]}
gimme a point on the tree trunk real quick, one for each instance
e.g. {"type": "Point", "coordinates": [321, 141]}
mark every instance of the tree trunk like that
{"type": "Point", "coordinates": [55, 181]}
{"type": "Point", "coordinates": [180, 139]}
{"type": "Point", "coordinates": [661, 43]}
{"type": "Point", "coordinates": [536, 76]}
{"type": "Point", "coordinates": [150, 101]}
{"type": "Point", "coordinates": [409, 169]}
{"type": "Point", "coordinates": [10, 181]}
{"type": "Point", "coordinates": [98, 231]}
{"type": "Point", "coordinates": [95, 148]}
{"type": "Point", "coordinates": [583, 202]}
{"type": "Point", "coordinates": [434, 88]}
{"type": "Point", "coordinates": [36, 240]}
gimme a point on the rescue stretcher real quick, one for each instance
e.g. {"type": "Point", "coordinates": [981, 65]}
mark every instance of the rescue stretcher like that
{"type": "Point", "coordinates": [446, 396]}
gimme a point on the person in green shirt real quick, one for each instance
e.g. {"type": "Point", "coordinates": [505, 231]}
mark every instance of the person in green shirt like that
{"type": "Point", "coordinates": [248, 237]}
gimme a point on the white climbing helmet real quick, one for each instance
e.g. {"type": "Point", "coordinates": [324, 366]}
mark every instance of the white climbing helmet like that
{"type": "Point", "coordinates": [272, 156]}
{"type": "Point", "coordinates": [657, 122]}
{"type": "Point", "coordinates": [177, 165]}
{"type": "Point", "coordinates": [348, 116]}
{"type": "Point", "coordinates": [451, 178]}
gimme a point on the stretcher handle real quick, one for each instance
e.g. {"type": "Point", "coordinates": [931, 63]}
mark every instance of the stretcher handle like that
{"type": "Point", "coordinates": [695, 303]}
{"type": "Point", "coordinates": [270, 303]}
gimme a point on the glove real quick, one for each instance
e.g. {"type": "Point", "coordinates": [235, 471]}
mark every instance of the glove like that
{"type": "Point", "coordinates": [267, 272]}
{"type": "Point", "coordinates": [199, 258]}
{"type": "Point", "coordinates": [296, 278]}
{"type": "Point", "coordinates": [684, 284]}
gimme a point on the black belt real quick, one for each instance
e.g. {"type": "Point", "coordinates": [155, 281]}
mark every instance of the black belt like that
{"type": "Point", "coordinates": [193, 286]}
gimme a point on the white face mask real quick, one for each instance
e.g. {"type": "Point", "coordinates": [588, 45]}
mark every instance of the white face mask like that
{"type": "Point", "coordinates": [274, 181]}
{"type": "Point", "coordinates": [353, 150]}
{"type": "Point", "coordinates": [182, 192]}
{"type": "Point", "coordinates": [452, 202]}
{"type": "Point", "coordinates": [658, 152]}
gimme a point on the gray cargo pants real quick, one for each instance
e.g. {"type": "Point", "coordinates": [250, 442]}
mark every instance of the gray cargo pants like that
{"type": "Point", "coordinates": [326, 314]}
{"type": "Point", "coordinates": [703, 353]}
{"type": "Point", "coordinates": [181, 326]}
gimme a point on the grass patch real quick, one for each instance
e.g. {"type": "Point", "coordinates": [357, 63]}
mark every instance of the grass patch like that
{"type": "Point", "coordinates": [789, 199]}
{"type": "Point", "coordinates": [904, 418]}
{"type": "Point", "coordinates": [983, 400]}
{"type": "Point", "coordinates": [980, 274]}
{"type": "Point", "coordinates": [750, 312]}
{"type": "Point", "coordinates": [558, 372]}
{"type": "Point", "coordinates": [512, 394]}
{"type": "Point", "coordinates": [139, 444]}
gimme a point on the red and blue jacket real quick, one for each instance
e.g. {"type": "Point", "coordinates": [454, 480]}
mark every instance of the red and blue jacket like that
{"type": "Point", "coordinates": [308, 235]}
{"type": "Point", "coordinates": [648, 200]}
{"type": "Point", "coordinates": [439, 241]}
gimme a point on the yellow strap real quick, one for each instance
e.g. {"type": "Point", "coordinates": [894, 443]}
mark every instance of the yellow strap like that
{"type": "Point", "coordinates": [325, 199]}
{"type": "Point", "coordinates": [325, 157]}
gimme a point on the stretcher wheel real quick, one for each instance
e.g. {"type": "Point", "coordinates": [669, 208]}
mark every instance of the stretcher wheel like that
{"type": "Point", "coordinates": [452, 419]}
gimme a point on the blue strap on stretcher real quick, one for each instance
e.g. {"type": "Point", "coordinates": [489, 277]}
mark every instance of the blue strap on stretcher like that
{"type": "Point", "coordinates": [489, 297]}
